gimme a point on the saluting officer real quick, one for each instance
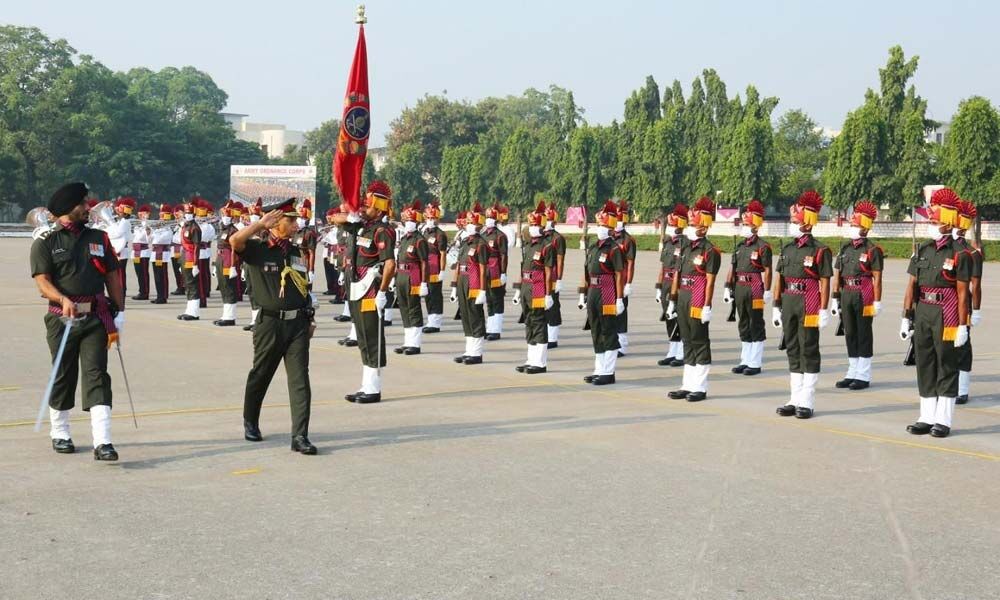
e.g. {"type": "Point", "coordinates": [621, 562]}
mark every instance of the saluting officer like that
{"type": "Point", "coordinates": [553, 315]}
{"type": "Point", "coordinates": [190, 234]}
{"type": "Point", "coordinates": [285, 322]}
{"type": "Point", "coordinates": [411, 278]}
{"type": "Point", "coordinates": [966, 217]}
{"type": "Point", "coordinates": [857, 295]}
{"type": "Point", "coordinates": [801, 296]}
{"type": "Point", "coordinates": [538, 267]}
{"type": "Point", "coordinates": [227, 264]}
{"type": "Point", "coordinates": [141, 252]}
{"type": "Point", "coordinates": [690, 303]}
{"type": "Point", "coordinates": [437, 248]}
{"type": "Point", "coordinates": [601, 294]}
{"type": "Point", "coordinates": [471, 287]}
{"type": "Point", "coordinates": [940, 272]}
{"type": "Point", "coordinates": [626, 242]}
{"type": "Point", "coordinates": [72, 265]}
{"type": "Point", "coordinates": [161, 239]}
{"type": "Point", "coordinates": [496, 272]}
{"type": "Point", "coordinates": [749, 286]}
{"type": "Point", "coordinates": [670, 259]}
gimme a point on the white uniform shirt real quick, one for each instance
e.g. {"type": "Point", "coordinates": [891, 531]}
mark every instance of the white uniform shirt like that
{"type": "Point", "coordinates": [139, 236]}
{"type": "Point", "coordinates": [120, 235]}
{"type": "Point", "coordinates": [207, 237]}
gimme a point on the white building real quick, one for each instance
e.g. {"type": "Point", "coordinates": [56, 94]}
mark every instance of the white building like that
{"type": "Point", "coordinates": [272, 137]}
{"type": "Point", "coordinates": [939, 134]}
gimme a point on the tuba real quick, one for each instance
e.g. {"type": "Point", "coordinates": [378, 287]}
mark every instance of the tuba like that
{"type": "Point", "coordinates": [102, 215]}
{"type": "Point", "coordinates": [41, 221]}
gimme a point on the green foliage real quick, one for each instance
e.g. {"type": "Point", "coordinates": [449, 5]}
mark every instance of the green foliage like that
{"type": "Point", "coordinates": [857, 167]}
{"type": "Point", "coordinates": [800, 155]}
{"type": "Point", "coordinates": [405, 175]}
{"type": "Point", "coordinates": [972, 154]}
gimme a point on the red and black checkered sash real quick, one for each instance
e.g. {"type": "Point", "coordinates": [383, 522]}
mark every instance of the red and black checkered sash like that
{"type": "Point", "coordinates": [947, 299]}
{"type": "Point", "coordinates": [470, 270]}
{"type": "Point", "coordinates": [864, 285]}
{"type": "Point", "coordinates": [605, 282]}
{"type": "Point", "coordinates": [412, 270]}
{"type": "Point", "coordinates": [434, 262]}
{"type": "Point", "coordinates": [100, 307]}
{"type": "Point", "coordinates": [808, 288]}
{"type": "Point", "coordinates": [536, 278]}
{"type": "Point", "coordinates": [695, 284]}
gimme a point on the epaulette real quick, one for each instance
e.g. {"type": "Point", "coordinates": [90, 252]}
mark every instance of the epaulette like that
{"type": "Point", "coordinates": [46, 233]}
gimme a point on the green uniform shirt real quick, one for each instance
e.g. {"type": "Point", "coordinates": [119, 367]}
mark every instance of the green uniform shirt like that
{"type": "Point", "coordinates": [472, 253]}
{"type": "Point", "coordinates": [752, 255]}
{"type": "Point", "coordinates": [862, 260]}
{"type": "Point", "coordinates": [412, 250]}
{"type": "Point", "coordinates": [942, 267]}
{"type": "Point", "coordinates": [604, 257]}
{"type": "Point", "coordinates": [369, 244]}
{"type": "Point", "coordinates": [77, 264]}
{"type": "Point", "coordinates": [812, 260]}
{"type": "Point", "coordinates": [558, 243]}
{"type": "Point", "coordinates": [700, 257]}
{"type": "Point", "coordinates": [670, 256]}
{"type": "Point", "coordinates": [306, 238]}
{"type": "Point", "coordinates": [975, 254]}
{"type": "Point", "coordinates": [265, 261]}
{"type": "Point", "coordinates": [537, 254]}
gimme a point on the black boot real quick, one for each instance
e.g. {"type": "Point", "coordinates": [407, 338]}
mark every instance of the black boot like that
{"type": "Point", "coordinates": [63, 446]}
{"type": "Point", "coordinates": [787, 410]}
{"type": "Point", "coordinates": [105, 452]}
{"type": "Point", "coordinates": [224, 322]}
{"type": "Point", "coordinates": [678, 394]}
{"type": "Point", "coordinates": [940, 431]}
{"type": "Point", "coordinates": [963, 399]}
{"type": "Point", "coordinates": [302, 445]}
{"type": "Point", "coordinates": [365, 398]}
{"type": "Point", "coordinates": [919, 428]}
{"type": "Point", "coordinates": [751, 371]}
{"type": "Point", "coordinates": [858, 384]}
{"type": "Point", "coordinates": [251, 432]}
{"type": "Point", "coordinates": [738, 369]}
{"type": "Point", "coordinates": [844, 383]}
{"type": "Point", "coordinates": [532, 370]}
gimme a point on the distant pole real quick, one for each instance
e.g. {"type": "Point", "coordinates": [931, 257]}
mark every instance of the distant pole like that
{"type": "Point", "coordinates": [361, 19]}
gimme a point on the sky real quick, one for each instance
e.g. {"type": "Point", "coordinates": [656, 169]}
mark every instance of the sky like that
{"type": "Point", "coordinates": [287, 62]}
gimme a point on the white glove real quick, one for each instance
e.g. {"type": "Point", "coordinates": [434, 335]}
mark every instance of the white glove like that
{"type": "Point", "coordinates": [627, 290]}
{"type": "Point", "coordinates": [619, 306]}
{"type": "Point", "coordinates": [582, 302]}
{"type": "Point", "coordinates": [481, 297]}
{"type": "Point", "coordinates": [454, 295]}
{"type": "Point", "coordinates": [233, 272]}
{"type": "Point", "coordinates": [905, 330]}
{"type": "Point", "coordinates": [380, 301]}
{"type": "Point", "coordinates": [503, 279]}
{"type": "Point", "coordinates": [877, 306]}
{"type": "Point", "coordinates": [353, 217]}
{"type": "Point", "coordinates": [120, 321]}
{"type": "Point", "coordinates": [768, 296]}
{"type": "Point", "coordinates": [706, 314]}
{"type": "Point", "coordinates": [392, 284]}
{"type": "Point", "coordinates": [558, 287]}
{"type": "Point", "coordinates": [824, 318]}
{"type": "Point", "coordinates": [976, 317]}
{"type": "Point", "coordinates": [341, 278]}
{"type": "Point", "coordinates": [313, 300]}
{"type": "Point", "coordinates": [671, 310]}
{"type": "Point", "coordinates": [517, 297]}
{"type": "Point", "coordinates": [659, 247]}
{"type": "Point", "coordinates": [962, 335]}
{"type": "Point", "coordinates": [727, 295]}
{"type": "Point", "coordinates": [658, 296]}
{"type": "Point", "coordinates": [549, 302]}
{"type": "Point", "coordinates": [312, 276]}
{"type": "Point", "coordinates": [834, 308]}
{"type": "Point", "coordinates": [195, 270]}
{"type": "Point", "coordinates": [776, 317]}
{"type": "Point", "coordinates": [424, 290]}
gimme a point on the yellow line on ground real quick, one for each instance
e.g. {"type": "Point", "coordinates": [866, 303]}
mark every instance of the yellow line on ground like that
{"type": "Point", "coordinates": [252, 471]}
{"type": "Point", "coordinates": [9, 388]}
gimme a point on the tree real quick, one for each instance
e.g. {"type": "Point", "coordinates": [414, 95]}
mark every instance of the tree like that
{"type": "Point", "coordinates": [516, 177]}
{"type": "Point", "coordinates": [405, 175]}
{"type": "Point", "coordinates": [972, 154]}
{"type": "Point", "coordinates": [799, 154]}
{"type": "Point", "coordinates": [323, 138]}
{"type": "Point", "coordinates": [749, 170]}
{"type": "Point", "coordinates": [856, 169]}
{"type": "Point", "coordinates": [456, 176]}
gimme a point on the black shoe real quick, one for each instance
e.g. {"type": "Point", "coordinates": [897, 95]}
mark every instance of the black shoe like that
{"type": "Point", "coordinates": [248, 328]}
{"type": "Point", "coordinates": [348, 342]}
{"type": "Point", "coordinates": [531, 370]}
{"type": "Point", "coordinates": [386, 323]}
{"type": "Point", "coordinates": [177, 293]}
{"type": "Point", "coordinates": [858, 384]}
{"type": "Point", "coordinates": [224, 323]}
{"type": "Point", "coordinates": [337, 301]}
{"type": "Point", "coordinates": [400, 350]}
{"type": "Point", "coordinates": [604, 379]}
{"type": "Point", "coordinates": [302, 445]}
{"type": "Point", "coordinates": [553, 345]}
{"type": "Point", "coordinates": [352, 397]}
{"type": "Point", "coordinates": [63, 446]}
{"type": "Point", "coordinates": [678, 394]}
{"type": "Point", "coordinates": [677, 363]}
{"type": "Point", "coordinates": [492, 337]}
{"type": "Point", "coordinates": [328, 293]}
{"type": "Point", "coordinates": [940, 431]}
{"type": "Point", "coordinates": [919, 428]}
{"type": "Point", "coordinates": [696, 396]}
{"type": "Point", "coordinates": [963, 399]}
{"type": "Point", "coordinates": [844, 383]}
{"type": "Point", "coordinates": [803, 413]}
{"type": "Point", "coordinates": [137, 297]}
{"type": "Point", "coordinates": [786, 411]}
{"type": "Point", "coordinates": [158, 301]}
{"type": "Point", "coordinates": [363, 398]}
{"type": "Point", "coordinates": [251, 432]}
{"type": "Point", "coordinates": [589, 378]}
{"type": "Point", "coordinates": [342, 318]}
{"type": "Point", "coordinates": [665, 362]}
{"type": "Point", "coordinates": [411, 351]}
{"type": "Point", "coordinates": [739, 369]}
{"type": "Point", "coordinates": [621, 354]}
{"type": "Point", "coordinates": [751, 371]}
{"type": "Point", "coordinates": [473, 360]}
{"type": "Point", "coordinates": [186, 317]}
{"type": "Point", "coordinates": [460, 359]}
{"type": "Point", "coordinates": [105, 452]}
{"type": "Point", "coordinates": [431, 329]}
{"type": "Point", "coordinates": [521, 368]}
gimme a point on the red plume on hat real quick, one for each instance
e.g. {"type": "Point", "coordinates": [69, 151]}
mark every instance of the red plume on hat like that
{"type": "Point", "coordinates": [145, 208]}
{"type": "Point", "coordinates": [866, 208]}
{"type": "Point", "coordinates": [307, 203]}
{"type": "Point", "coordinates": [967, 209]}
{"type": "Point", "coordinates": [380, 188]}
{"type": "Point", "coordinates": [755, 207]}
{"type": "Point", "coordinates": [166, 208]}
{"type": "Point", "coordinates": [810, 199]}
{"type": "Point", "coordinates": [680, 210]}
{"type": "Point", "coordinates": [551, 213]}
{"type": "Point", "coordinates": [540, 209]}
{"type": "Point", "coordinates": [493, 212]}
{"type": "Point", "coordinates": [945, 197]}
{"type": "Point", "coordinates": [705, 205]}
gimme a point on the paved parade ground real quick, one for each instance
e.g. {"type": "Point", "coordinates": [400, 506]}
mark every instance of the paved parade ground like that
{"type": "Point", "coordinates": [473, 482]}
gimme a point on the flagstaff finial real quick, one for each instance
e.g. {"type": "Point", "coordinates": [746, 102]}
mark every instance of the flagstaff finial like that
{"type": "Point", "coordinates": [361, 19]}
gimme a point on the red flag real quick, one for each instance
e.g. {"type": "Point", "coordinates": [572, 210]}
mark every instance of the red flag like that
{"type": "Point", "coordinates": [355, 125]}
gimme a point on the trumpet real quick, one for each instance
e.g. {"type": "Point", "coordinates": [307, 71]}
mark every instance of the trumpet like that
{"type": "Point", "coordinates": [40, 219]}
{"type": "Point", "coordinates": [102, 215]}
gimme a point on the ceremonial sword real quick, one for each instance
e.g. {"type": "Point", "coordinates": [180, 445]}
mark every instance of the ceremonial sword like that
{"type": "Point", "coordinates": [55, 369]}
{"type": "Point", "coordinates": [128, 388]}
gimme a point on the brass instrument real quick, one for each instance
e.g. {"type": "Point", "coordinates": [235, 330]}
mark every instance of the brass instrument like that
{"type": "Point", "coordinates": [40, 219]}
{"type": "Point", "coordinates": [101, 215]}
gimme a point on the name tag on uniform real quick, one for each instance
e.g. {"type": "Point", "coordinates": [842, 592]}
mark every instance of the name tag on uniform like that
{"type": "Point", "coordinates": [364, 242]}
{"type": "Point", "coordinates": [298, 264]}
{"type": "Point", "coordinates": [410, 250]}
{"type": "Point", "coordinates": [698, 260]}
{"type": "Point", "coordinates": [807, 261]}
{"type": "Point", "coordinates": [270, 267]}
{"type": "Point", "coordinates": [754, 255]}
{"type": "Point", "coordinates": [603, 258]}
{"type": "Point", "coordinates": [97, 250]}
{"type": "Point", "coordinates": [949, 264]}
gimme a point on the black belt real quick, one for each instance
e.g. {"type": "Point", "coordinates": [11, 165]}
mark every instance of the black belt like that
{"type": "Point", "coordinates": [284, 315]}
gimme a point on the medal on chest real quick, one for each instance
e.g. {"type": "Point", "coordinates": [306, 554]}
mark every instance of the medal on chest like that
{"type": "Point", "coordinates": [949, 264]}
{"type": "Point", "coordinates": [603, 258]}
{"type": "Point", "coordinates": [364, 242]}
{"type": "Point", "coordinates": [96, 250]}
{"type": "Point", "coordinates": [677, 251]}
{"type": "Point", "coordinates": [807, 261]}
{"type": "Point", "coordinates": [754, 255]}
{"type": "Point", "coordinates": [698, 260]}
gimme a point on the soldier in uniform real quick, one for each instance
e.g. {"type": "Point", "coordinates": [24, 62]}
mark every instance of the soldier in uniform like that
{"type": "Point", "coordinates": [372, 265]}
{"type": "Point", "coordinates": [411, 278]}
{"type": "Point", "coordinates": [940, 272]}
{"type": "Point", "coordinates": [437, 248]}
{"type": "Point", "coordinates": [508, 228]}
{"type": "Point", "coordinates": [749, 286]}
{"type": "Point", "coordinates": [120, 234]}
{"type": "Point", "coordinates": [162, 254]}
{"type": "Point", "coordinates": [691, 293]}
{"type": "Point", "coordinates": [307, 238]}
{"type": "Point", "coordinates": [176, 258]}
{"type": "Point", "coordinates": [190, 235]}
{"type": "Point", "coordinates": [496, 273]}
{"type": "Point", "coordinates": [72, 265]}
{"type": "Point", "coordinates": [538, 268]}
{"type": "Point", "coordinates": [471, 287]}
{"type": "Point", "coordinates": [285, 322]}
{"type": "Point", "coordinates": [141, 252]}
{"type": "Point", "coordinates": [203, 210]}
{"type": "Point", "coordinates": [857, 295]}
{"type": "Point", "coordinates": [227, 264]}
{"type": "Point", "coordinates": [331, 250]}
{"type": "Point", "coordinates": [801, 297]}
{"type": "Point", "coordinates": [966, 217]}
{"type": "Point", "coordinates": [602, 295]}
{"type": "Point", "coordinates": [254, 214]}
{"type": "Point", "coordinates": [670, 256]}
{"type": "Point", "coordinates": [626, 242]}
{"type": "Point", "coordinates": [553, 315]}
